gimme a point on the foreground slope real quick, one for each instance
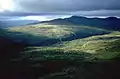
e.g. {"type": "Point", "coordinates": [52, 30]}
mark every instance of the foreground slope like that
{"type": "Point", "coordinates": [32, 60]}
{"type": "Point", "coordinates": [99, 47]}
{"type": "Point", "coordinates": [89, 56]}
{"type": "Point", "coordinates": [103, 46]}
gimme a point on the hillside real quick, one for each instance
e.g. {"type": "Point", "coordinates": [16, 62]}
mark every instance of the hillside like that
{"type": "Point", "coordinates": [111, 23]}
{"type": "Point", "coordinates": [63, 39]}
{"type": "Point", "coordinates": [99, 47]}
{"type": "Point", "coordinates": [47, 34]}
{"type": "Point", "coordinates": [107, 46]}
{"type": "Point", "coordinates": [89, 56]}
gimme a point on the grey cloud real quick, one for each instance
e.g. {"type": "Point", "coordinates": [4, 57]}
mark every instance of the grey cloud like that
{"type": "Point", "coordinates": [98, 13]}
{"type": "Point", "coordinates": [64, 5]}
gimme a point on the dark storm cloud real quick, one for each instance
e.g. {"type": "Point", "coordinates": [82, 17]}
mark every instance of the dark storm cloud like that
{"type": "Point", "coordinates": [64, 5]}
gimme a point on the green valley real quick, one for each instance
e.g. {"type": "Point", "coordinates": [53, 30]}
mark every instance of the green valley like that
{"type": "Point", "coordinates": [61, 50]}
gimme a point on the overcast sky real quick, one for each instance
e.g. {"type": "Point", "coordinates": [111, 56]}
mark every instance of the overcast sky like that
{"type": "Point", "coordinates": [67, 7]}
{"type": "Point", "coordinates": [79, 7]}
{"type": "Point", "coordinates": [64, 5]}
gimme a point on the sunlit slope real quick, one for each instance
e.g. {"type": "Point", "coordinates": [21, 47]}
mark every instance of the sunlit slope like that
{"type": "Point", "coordinates": [47, 32]}
{"type": "Point", "coordinates": [100, 47]}
{"type": "Point", "coordinates": [51, 31]}
{"type": "Point", "coordinates": [104, 46]}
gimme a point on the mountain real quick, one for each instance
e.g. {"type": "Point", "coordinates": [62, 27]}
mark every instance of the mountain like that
{"type": "Point", "coordinates": [67, 29]}
{"type": "Point", "coordinates": [15, 23]}
{"type": "Point", "coordinates": [47, 34]}
{"type": "Point", "coordinates": [103, 47]}
{"type": "Point", "coordinates": [91, 55]}
{"type": "Point", "coordinates": [111, 23]}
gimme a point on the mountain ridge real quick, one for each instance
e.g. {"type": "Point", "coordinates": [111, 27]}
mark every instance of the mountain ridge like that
{"type": "Point", "coordinates": [112, 23]}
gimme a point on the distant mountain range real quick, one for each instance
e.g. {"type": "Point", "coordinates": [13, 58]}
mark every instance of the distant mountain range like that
{"type": "Point", "coordinates": [49, 32]}
{"type": "Point", "coordinates": [111, 23]}
{"type": "Point", "coordinates": [14, 23]}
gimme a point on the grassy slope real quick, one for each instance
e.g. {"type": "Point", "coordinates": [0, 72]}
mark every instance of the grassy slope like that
{"type": "Point", "coordinates": [47, 32]}
{"type": "Point", "coordinates": [43, 30]}
{"type": "Point", "coordinates": [104, 47]}
{"type": "Point", "coordinates": [101, 47]}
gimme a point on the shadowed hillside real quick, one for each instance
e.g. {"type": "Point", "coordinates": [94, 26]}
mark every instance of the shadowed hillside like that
{"type": "Point", "coordinates": [38, 62]}
{"type": "Point", "coordinates": [100, 47]}
{"type": "Point", "coordinates": [111, 23]}
{"type": "Point", "coordinates": [93, 57]}
{"type": "Point", "coordinates": [50, 34]}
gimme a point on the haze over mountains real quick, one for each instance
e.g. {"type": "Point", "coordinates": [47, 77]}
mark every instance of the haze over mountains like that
{"type": "Point", "coordinates": [111, 23]}
{"type": "Point", "coordinates": [14, 23]}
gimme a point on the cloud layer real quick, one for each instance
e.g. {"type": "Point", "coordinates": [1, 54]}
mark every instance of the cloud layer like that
{"type": "Point", "coordinates": [64, 5]}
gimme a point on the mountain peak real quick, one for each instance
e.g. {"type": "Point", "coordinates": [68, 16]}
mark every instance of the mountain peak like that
{"type": "Point", "coordinates": [112, 18]}
{"type": "Point", "coordinates": [77, 17]}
